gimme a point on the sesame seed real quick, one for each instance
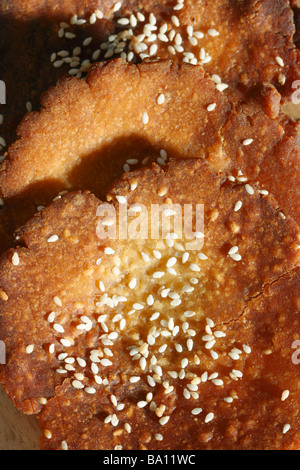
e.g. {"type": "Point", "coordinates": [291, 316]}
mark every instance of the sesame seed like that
{"type": "Point", "coordinates": [194, 267]}
{"type": "Point", "coordinates": [196, 411]}
{"type": "Point", "coordinates": [109, 251]}
{"type": "Point", "coordinates": [213, 32]}
{"type": "Point", "coordinates": [221, 86]}
{"type": "Point", "coordinates": [117, 6]}
{"type": "Point", "coordinates": [164, 420]}
{"type": "Point", "coordinates": [69, 35]}
{"type": "Point", "coordinates": [15, 259]}
{"type": "Point", "coordinates": [279, 61]}
{"type": "Point", "coordinates": [175, 20]}
{"type": "Point", "coordinates": [249, 189]}
{"type": "Point", "coordinates": [77, 384]}
{"type": "Point", "coordinates": [58, 328]}
{"type": "Point", "coordinates": [285, 395]}
{"type": "Point", "coordinates": [53, 239]}
{"type": "Point", "coordinates": [123, 199]}
{"type": "Point", "coordinates": [171, 262]}
{"type": "Point", "coordinates": [211, 107]}
{"type": "Point", "coordinates": [105, 362]}
{"type": "Point", "coordinates": [57, 301]}
{"type": "Point", "coordinates": [209, 417]}
{"type": "Point", "coordinates": [158, 274]}
{"type": "Point", "coordinates": [286, 428]}
{"type": "Point", "coordinates": [93, 18]}
{"type": "Point", "coordinates": [29, 349]}
{"type": "Point", "coordinates": [238, 206]}
{"type": "Point", "coordinates": [123, 21]}
{"type": "Point", "coordinates": [247, 142]}
{"type": "Point", "coordinates": [138, 306]}
{"type": "Point", "coordinates": [233, 250]}
{"type": "Point", "coordinates": [142, 404]}
{"type": "Point", "coordinates": [246, 349]}
{"type": "Point", "coordinates": [145, 118]}
{"type": "Point", "coordinates": [134, 379]}
{"type": "Point", "coordinates": [161, 99]}
{"type": "Point", "coordinates": [281, 79]}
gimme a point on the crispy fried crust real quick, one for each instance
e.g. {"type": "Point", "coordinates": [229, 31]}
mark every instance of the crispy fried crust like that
{"type": "Point", "coordinates": [250, 37]}
{"type": "Point", "coordinates": [88, 132]}
{"type": "Point", "coordinates": [114, 321]}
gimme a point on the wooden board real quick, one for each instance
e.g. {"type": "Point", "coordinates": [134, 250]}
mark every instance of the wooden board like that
{"type": "Point", "coordinates": [17, 431]}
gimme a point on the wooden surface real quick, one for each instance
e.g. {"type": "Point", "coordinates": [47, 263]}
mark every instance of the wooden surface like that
{"type": "Point", "coordinates": [17, 431]}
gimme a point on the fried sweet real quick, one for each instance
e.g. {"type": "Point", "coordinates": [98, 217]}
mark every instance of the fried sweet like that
{"type": "Point", "coordinates": [239, 43]}
{"type": "Point", "coordinates": [122, 116]}
{"type": "Point", "coordinates": [140, 331]}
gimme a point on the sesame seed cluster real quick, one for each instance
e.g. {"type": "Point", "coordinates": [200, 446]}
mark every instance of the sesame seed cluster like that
{"type": "Point", "coordinates": [140, 357]}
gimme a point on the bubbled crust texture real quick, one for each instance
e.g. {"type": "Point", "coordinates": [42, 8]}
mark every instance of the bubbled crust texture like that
{"type": "Point", "coordinates": [87, 130]}
{"type": "Point", "coordinates": [237, 297]}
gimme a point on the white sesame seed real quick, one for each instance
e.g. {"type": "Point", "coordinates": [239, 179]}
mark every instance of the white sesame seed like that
{"type": "Point", "coordinates": [150, 300]}
{"type": "Point", "coordinates": [211, 107]}
{"type": "Point", "coordinates": [122, 199]}
{"type": "Point", "coordinates": [171, 261]}
{"type": "Point", "coordinates": [184, 363]}
{"type": "Point", "coordinates": [117, 6]}
{"type": "Point", "coordinates": [127, 428]}
{"type": "Point", "coordinates": [142, 404]}
{"type": "Point", "coordinates": [123, 21]}
{"type": "Point", "coordinates": [238, 206]}
{"type": "Point", "coordinates": [194, 267]}
{"type": "Point", "coordinates": [209, 417]}
{"type": "Point", "coordinates": [279, 61]}
{"type": "Point", "coordinates": [105, 362]}
{"type": "Point", "coordinates": [246, 349]}
{"type": "Point", "coordinates": [286, 428]}
{"type": "Point", "coordinates": [161, 99]}
{"type": "Point", "coordinates": [249, 189]}
{"type": "Point", "coordinates": [145, 118]}
{"type": "Point", "coordinates": [15, 259]}
{"type": "Point", "coordinates": [77, 384]}
{"type": "Point", "coordinates": [109, 251]}
{"type": "Point", "coordinates": [70, 35]}
{"type": "Point", "coordinates": [247, 142]}
{"type": "Point", "coordinates": [58, 328]}
{"type": "Point", "coordinates": [221, 86]}
{"type": "Point", "coordinates": [158, 274]}
{"type": "Point", "coordinates": [164, 420]}
{"type": "Point", "coordinates": [29, 349]}
{"type": "Point", "coordinates": [53, 239]}
{"type": "Point", "coordinates": [175, 20]}
{"type": "Point", "coordinates": [132, 283]}
{"type": "Point", "coordinates": [57, 301]}
{"type": "Point", "coordinates": [196, 411]}
{"type": "Point", "coordinates": [233, 250]}
{"type": "Point", "coordinates": [236, 256]}
{"type": "Point", "coordinates": [134, 379]}
{"type": "Point", "coordinates": [281, 79]}
{"type": "Point", "coordinates": [285, 395]}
